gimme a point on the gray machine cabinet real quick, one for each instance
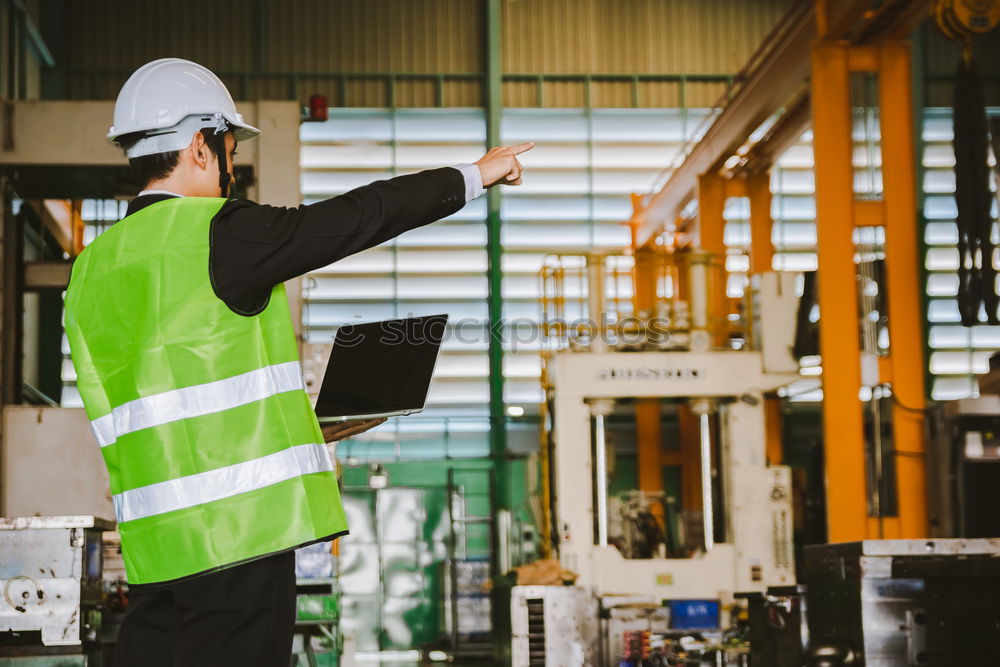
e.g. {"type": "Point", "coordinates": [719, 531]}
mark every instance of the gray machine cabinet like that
{"type": "Point", "coordinates": [553, 625]}
{"type": "Point", "coordinates": [50, 577]}
{"type": "Point", "coordinates": [872, 602]}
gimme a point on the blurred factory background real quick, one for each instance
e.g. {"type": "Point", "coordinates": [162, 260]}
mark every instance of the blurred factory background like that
{"type": "Point", "coordinates": [787, 394]}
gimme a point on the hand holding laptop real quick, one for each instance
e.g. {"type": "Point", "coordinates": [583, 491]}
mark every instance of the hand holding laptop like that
{"type": "Point", "coordinates": [342, 430]}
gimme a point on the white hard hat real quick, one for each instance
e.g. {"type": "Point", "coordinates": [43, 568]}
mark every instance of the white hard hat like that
{"type": "Point", "coordinates": [170, 100]}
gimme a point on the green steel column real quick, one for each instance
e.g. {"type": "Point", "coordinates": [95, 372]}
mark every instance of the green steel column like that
{"type": "Point", "coordinates": [55, 28]}
{"type": "Point", "coordinates": [494, 108]}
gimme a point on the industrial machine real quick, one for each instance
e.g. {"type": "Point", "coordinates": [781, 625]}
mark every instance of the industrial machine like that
{"type": "Point", "coordinates": [632, 627]}
{"type": "Point", "coordinates": [964, 461]}
{"type": "Point", "coordinates": [903, 603]}
{"type": "Point", "coordinates": [778, 631]}
{"type": "Point", "coordinates": [51, 578]}
{"type": "Point", "coordinates": [551, 625]}
{"type": "Point", "coordinates": [684, 353]}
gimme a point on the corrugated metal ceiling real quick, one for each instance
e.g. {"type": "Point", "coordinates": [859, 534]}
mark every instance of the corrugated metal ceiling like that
{"type": "Point", "coordinates": [290, 49]}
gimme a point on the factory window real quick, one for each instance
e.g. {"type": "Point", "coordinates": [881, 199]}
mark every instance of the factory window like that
{"type": "Point", "coordinates": [440, 268]}
{"type": "Point", "coordinates": [793, 208]}
{"type": "Point", "coordinates": [574, 200]}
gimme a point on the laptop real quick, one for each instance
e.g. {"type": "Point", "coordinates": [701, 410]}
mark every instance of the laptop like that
{"type": "Point", "coordinates": [380, 369]}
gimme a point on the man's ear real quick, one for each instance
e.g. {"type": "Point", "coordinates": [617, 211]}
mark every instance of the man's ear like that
{"type": "Point", "coordinates": [199, 150]}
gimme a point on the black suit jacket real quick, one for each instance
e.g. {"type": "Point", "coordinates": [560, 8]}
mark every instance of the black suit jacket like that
{"type": "Point", "coordinates": [256, 246]}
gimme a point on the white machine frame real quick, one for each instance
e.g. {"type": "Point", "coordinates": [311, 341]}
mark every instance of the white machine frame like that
{"type": "Point", "coordinates": [757, 496]}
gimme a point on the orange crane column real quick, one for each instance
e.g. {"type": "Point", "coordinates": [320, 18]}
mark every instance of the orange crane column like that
{"type": "Point", "coordinates": [711, 227]}
{"type": "Point", "coordinates": [843, 430]}
{"type": "Point", "coordinates": [690, 458]}
{"type": "Point", "coordinates": [690, 449]}
{"type": "Point", "coordinates": [761, 247]}
{"type": "Point", "coordinates": [903, 284]}
{"type": "Point", "coordinates": [649, 459]}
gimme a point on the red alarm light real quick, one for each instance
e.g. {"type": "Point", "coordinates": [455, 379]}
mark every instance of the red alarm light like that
{"type": "Point", "coordinates": [319, 110]}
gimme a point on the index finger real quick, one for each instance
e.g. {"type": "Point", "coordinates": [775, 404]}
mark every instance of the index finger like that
{"type": "Point", "coordinates": [517, 150]}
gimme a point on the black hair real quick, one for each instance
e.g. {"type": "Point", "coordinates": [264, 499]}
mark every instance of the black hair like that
{"type": "Point", "coordinates": [157, 166]}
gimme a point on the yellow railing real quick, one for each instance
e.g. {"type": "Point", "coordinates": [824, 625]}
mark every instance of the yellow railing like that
{"type": "Point", "coordinates": [648, 301]}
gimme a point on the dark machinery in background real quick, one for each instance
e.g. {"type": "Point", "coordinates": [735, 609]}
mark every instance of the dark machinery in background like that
{"type": "Point", "coordinates": [634, 529]}
{"type": "Point", "coordinates": [884, 603]}
{"type": "Point", "coordinates": [902, 603]}
{"type": "Point", "coordinates": [964, 462]}
{"type": "Point", "coordinates": [777, 629]}
{"type": "Point", "coordinates": [57, 605]}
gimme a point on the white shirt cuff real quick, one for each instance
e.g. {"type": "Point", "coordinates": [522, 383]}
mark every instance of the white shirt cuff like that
{"type": "Point", "coordinates": [473, 180]}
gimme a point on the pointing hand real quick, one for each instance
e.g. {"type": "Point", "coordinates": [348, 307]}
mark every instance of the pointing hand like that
{"type": "Point", "coordinates": [500, 165]}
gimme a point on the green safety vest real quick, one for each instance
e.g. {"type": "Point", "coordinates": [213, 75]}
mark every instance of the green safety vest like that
{"type": "Point", "coordinates": [213, 448]}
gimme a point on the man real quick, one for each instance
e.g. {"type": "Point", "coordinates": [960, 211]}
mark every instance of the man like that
{"type": "Point", "coordinates": [187, 362]}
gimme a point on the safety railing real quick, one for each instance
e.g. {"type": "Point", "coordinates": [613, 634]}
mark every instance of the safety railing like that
{"type": "Point", "coordinates": [651, 301]}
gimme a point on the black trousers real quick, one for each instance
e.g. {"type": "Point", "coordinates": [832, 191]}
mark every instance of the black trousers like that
{"type": "Point", "coordinates": [241, 616]}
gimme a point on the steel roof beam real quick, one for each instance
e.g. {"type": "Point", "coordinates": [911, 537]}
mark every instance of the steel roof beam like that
{"type": "Point", "coordinates": [782, 66]}
{"type": "Point", "coordinates": [772, 79]}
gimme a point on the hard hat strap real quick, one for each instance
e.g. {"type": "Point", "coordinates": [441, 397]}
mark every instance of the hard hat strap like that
{"type": "Point", "coordinates": [220, 152]}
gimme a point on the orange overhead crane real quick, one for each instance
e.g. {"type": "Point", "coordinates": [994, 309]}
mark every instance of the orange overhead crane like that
{"type": "Point", "coordinates": [806, 63]}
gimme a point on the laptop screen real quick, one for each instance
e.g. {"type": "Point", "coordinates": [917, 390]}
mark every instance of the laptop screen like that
{"type": "Point", "coordinates": [380, 367]}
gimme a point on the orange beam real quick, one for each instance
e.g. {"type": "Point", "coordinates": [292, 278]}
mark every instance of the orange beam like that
{"type": "Point", "coordinates": [690, 458]}
{"type": "Point", "coordinates": [906, 338]}
{"type": "Point", "coordinates": [772, 430]}
{"type": "Point", "coordinates": [63, 220]}
{"type": "Point", "coordinates": [78, 227]}
{"type": "Point", "coordinates": [647, 411]}
{"type": "Point", "coordinates": [711, 228]}
{"type": "Point", "coordinates": [649, 457]}
{"type": "Point", "coordinates": [711, 204]}
{"type": "Point", "coordinates": [690, 451]}
{"type": "Point", "coordinates": [635, 221]}
{"type": "Point", "coordinates": [737, 187]}
{"type": "Point", "coordinates": [644, 279]}
{"type": "Point", "coordinates": [671, 458]}
{"type": "Point", "coordinates": [843, 432]}
{"type": "Point", "coordinates": [835, 18]}
{"type": "Point", "coordinates": [869, 213]}
{"type": "Point", "coordinates": [774, 75]}
{"type": "Point", "coordinates": [885, 369]}
{"type": "Point", "coordinates": [761, 247]}
{"type": "Point", "coordinates": [863, 59]}
{"type": "Point", "coordinates": [887, 528]}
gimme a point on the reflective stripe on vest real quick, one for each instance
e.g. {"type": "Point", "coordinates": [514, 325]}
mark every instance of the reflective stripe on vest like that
{"type": "Point", "coordinates": [202, 399]}
{"type": "Point", "coordinates": [221, 483]}
{"type": "Point", "coordinates": [214, 452]}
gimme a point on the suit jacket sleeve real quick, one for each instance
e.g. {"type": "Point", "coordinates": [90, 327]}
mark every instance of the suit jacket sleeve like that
{"type": "Point", "coordinates": [254, 247]}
